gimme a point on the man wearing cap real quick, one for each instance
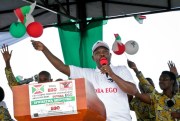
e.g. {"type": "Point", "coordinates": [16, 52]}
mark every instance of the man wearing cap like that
{"type": "Point", "coordinates": [112, 83]}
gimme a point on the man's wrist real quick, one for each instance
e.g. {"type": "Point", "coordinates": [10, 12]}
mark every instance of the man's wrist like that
{"type": "Point", "coordinates": [8, 64]}
{"type": "Point", "coordinates": [138, 73]}
{"type": "Point", "coordinates": [136, 70]}
{"type": "Point", "coordinates": [113, 75]}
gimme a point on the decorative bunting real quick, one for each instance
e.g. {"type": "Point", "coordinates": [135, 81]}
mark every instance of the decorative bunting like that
{"type": "Point", "coordinates": [118, 47]}
{"type": "Point", "coordinates": [139, 18]}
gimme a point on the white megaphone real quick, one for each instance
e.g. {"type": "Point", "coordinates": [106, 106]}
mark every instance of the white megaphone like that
{"type": "Point", "coordinates": [21, 81]}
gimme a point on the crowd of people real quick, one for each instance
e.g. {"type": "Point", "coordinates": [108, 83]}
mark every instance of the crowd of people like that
{"type": "Point", "coordinates": [147, 103]}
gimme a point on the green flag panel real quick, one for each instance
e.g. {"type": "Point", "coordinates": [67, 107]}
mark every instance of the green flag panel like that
{"type": "Point", "coordinates": [77, 46]}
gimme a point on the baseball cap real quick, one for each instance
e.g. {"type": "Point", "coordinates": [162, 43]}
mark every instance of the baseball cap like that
{"type": "Point", "coordinates": [99, 44]}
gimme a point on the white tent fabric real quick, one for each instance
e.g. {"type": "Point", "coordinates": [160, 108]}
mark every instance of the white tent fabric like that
{"type": "Point", "coordinates": [7, 39]}
{"type": "Point", "coordinates": [60, 12]}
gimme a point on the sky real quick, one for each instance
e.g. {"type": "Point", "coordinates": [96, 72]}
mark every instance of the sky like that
{"type": "Point", "coordinates": [158, 40]}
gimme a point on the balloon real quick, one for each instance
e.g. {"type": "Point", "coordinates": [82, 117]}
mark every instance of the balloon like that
{"type": "Point", "coordinates": [131, 47]}
{"type": "Point", "coordinates": [19, 14]}
{"type": "Point", "coordinates": [17, 29]}
{"type": "Point", "coordinates": [118, 48]}
{"type": "Point", "coordinates": [29, 19]}
{"type": "Point", "coordinates": [35, 29]}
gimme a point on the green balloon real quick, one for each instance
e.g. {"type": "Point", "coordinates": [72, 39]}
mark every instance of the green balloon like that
{"type": "Point", "coordinates": [25, 10]}
{"type": "Point", "coordinates": [17, 29]}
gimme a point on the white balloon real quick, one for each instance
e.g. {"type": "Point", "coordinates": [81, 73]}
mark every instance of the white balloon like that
{"type": "Point", "coordinates": [131, 47]}
{"type": "Point", "coordinates": [29, 19]}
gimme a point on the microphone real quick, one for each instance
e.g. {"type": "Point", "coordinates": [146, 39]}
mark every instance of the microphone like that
{"type": "Point", "coordinates": [104, 61]}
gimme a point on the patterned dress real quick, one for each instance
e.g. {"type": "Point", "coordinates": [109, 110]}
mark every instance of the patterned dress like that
{"type": "Point", "coordinates": [162, 109]}
{"type": "Point", "coordinates": [143, 111]}
{"type": "Point", "coordinates": [10, 77]}
{"type": "Point", "coordinates": [4, 113]}
{"type": "Point", "coordinates": [159, 101]}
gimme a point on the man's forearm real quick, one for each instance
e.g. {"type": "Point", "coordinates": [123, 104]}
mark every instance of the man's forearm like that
{"type": "Point", "coordinates": [57, 63]}
{"type": "Point", "coordinates": [10, 77]}
{"type": "Point", "coordinates": [144, 83]}
{"type": "Point", "coordinates": [125, 86]}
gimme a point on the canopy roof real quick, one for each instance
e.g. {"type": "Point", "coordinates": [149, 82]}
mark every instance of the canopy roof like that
{"type": "Point", "coordinates": [59, 12]}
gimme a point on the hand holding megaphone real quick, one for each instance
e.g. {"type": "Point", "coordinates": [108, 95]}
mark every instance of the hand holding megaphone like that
{"type": "Point", "coordinates": [105, 67]}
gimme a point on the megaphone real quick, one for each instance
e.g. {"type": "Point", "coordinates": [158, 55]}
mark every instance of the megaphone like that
{"type": "Point", "coordinates": [21, 81]}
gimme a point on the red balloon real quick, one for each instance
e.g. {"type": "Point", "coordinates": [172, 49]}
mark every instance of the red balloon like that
{"type": "Point", "coordinates": [121, 49]}
{"type": "Point", "coordinates": [35, 29]}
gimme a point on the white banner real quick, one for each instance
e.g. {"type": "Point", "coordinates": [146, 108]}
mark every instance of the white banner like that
{"type": "Point", "coordinates": [52, 99]}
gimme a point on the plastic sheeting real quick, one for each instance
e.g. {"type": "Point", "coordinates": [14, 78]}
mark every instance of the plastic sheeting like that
{"type": "Point", "coordinates": [6, 38]}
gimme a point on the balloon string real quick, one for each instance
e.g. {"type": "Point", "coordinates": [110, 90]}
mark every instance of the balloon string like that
{"type": "Point", "coordinates": [126, 56]}
{"type": "Point", "coordinates": [30, 37]}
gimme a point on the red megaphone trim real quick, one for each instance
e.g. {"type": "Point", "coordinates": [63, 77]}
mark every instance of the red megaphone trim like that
{"type": "Point", "coordinates": [103, 61]}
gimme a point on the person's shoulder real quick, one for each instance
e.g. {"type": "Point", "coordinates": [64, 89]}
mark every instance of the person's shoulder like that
{"type": "Point", "coordinates": [83, 68]}
{"type": "Point", "coordinates": [3, 104]}
{"type": "Point", "coordinates": [156, 94]}
{"type": "Point", "coordinates": [74, 67]}
{"type": "Point", "coordinates": [177, 95]}
{"type": "Point", "coordinates": [90, 70]}
{"type": "Point", "coordinates": [119, 67]}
